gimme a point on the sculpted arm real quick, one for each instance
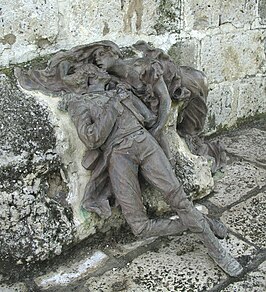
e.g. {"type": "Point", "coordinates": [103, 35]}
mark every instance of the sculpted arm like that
{"type": "Point", "coordinates": [93, 129]}
{"type": "Point", "coordinates": [149, 116]}
{"type": "Point", "coordinates": [153, 75]}
{"type": "Point", "coordinates": [161, 92]}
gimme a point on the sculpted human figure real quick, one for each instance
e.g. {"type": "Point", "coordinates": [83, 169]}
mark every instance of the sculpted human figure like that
{"type": "Point", "coordinates": [115, 124]}
{"type": "Point", "coordinates": [154, 78]}
{"type": "Point", "coordinates": [144, 77]}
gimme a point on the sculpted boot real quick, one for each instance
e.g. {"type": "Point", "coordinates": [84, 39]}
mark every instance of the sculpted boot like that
{"type": "Point", "coordinates": [217, 227]}
{"type": "Point", "coordinates": [220, 256]}
{"type": "Point", "coordinates": [198, 224]}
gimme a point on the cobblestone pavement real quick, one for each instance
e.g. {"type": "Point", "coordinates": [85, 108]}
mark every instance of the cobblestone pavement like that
{"type": "Point", "coordinates": [122, 263]}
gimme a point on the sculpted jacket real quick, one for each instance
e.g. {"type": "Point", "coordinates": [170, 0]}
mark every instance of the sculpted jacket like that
{"type": "Point", "coordinates": [102, 121]}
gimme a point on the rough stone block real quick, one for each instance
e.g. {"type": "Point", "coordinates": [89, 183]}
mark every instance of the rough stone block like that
{"type": "Point", "coordinates": [24, 25]}
{"type": "Point", "coordinates": [254, 281]}
{"type": "Point", "coordinates": [182, 264]}
{"type": "Point", "coordinates": [238, 179]}
{"type": "Point", "coordinates": [247, 143]}
{"type": "Point", "coordinates": [262, 11]}
{"type": "Point", "coordinates": [202, 15]}
{"type": "Point", "coordinates": [233, 55]}
{"type": "Point", "coordinates": [35, 217]}
{"type": "Point", "coordinates": [251, 101]}
{"type": "Point", "coordinates": [168, 16]}
{"type": "Point", "coordinates": [248, 219]}
{"type": "Point", "coordinates": [222, 103]}
{"type": "Point", "coordinates": [185, 52]}
{"type": "Point", "coordinates": [239, 13]}
{"type": "Point", "coordinates": [33, 28]}
{"type": "Point", "coordinates": [233, 100]}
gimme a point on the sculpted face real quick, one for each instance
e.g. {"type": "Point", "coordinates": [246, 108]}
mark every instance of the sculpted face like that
{"type": "Point", "coordinates": [105, 58]}
{"type": "Point", "coordinates": [97, 79]}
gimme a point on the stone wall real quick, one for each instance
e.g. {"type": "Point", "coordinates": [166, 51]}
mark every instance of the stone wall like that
{"type": "Point", "coordinates": [225, 39]}
{"type": "Point", "coordinates": [42, 180]}
{"type": "Point", "coordinates": [228, 42]}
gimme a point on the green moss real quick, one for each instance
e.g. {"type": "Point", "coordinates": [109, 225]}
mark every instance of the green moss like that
{"type": "Point", "coordinates": [175, 52]}
{"type": "Point", "coordinates": [211, 121]}
{"type": "Point", "coordinates": [251, 119]}
{"type": "Point", "coordinates": [37, 63]}
{"type": "Point", "coordinates": [240, 123]}
{"type": "Point", "coordinates": [169, 12]}
{"type": "Point", "coordinates": [7, 71]}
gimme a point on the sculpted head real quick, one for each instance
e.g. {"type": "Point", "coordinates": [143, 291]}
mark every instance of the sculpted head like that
{"type": "Point", "coordinates": [97, 78]}
{"type": "Point", "coordinates": [105, 57]}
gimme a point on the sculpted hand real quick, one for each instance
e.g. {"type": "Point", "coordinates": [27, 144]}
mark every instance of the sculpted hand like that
{"type": "Point", "coordinates": [122, 93]}
{"type": "Point", "coordinates": [66, 98]}
{"type": "Point", "coordinates": [156, 132]}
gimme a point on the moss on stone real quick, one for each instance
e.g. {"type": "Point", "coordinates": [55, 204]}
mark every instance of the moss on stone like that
{"type": "Point", "coordinates": [7, 71]}
{"type": "Point", "coordinates": [211, 121]}
{"type": "Point", "coordinates": [249, 119]}
{"type": "Point", "coordinates": [175, 52]}
{"type": "Point", "coordinates": [37, 63]}
{"type": "Point", "coordinates": [169, 13]}
{"type": "Point", "coordinates": [240, 122]}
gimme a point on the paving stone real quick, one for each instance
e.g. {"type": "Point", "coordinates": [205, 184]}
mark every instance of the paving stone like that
{"type": "Point", "coordinates": [17, 287]}
{"type": "Point", "coordinates": [238, 179]}
{"type": "Point", "coordinates": [248, 143]}
{"type": "Point", "coordinates": [67, 274]}
{"type": "Point", "coordinates": [123, 249]}
{"type": "Point", "coordinates": [248, 219]}
{"type": "Point", "coordinates": [181, 264]}
{"type": "Point", "coordinates": [254, 281]}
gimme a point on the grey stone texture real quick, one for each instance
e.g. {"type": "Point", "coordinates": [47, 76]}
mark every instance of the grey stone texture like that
{"type": "Point", "coordinates": [254, 281]}
{"type": "Point", "coordinates": [184, 52]}
{"type": "Point", "coordinates": [229, 57]}
{"type": "Point", "coordinates": [43, 181]}
{"type": "Point", "coordinates": [262, 11]}
{"type": "Point", "coordinates": [119, 262]}
{"type": "Point", "coordinates": [231, 51]}
{"type": "Point", "coordinates": [252, 213]}
{"type": "Point", "coordinates": [38, 179]}
{"type": "Point", "coordinates": [35, 217]}
{"type": "Point", "coordinates": [246, 178]}
{"type": "Point", "coordinates": [202, 15]}
{"type": "Point", "coordinates": [225, 39]}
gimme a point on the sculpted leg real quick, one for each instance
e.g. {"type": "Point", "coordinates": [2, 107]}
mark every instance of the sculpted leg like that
{"type": "Point", "coordinates": [157, 171]}
{"type": "Point", "coordinates": [198, 224]}
{"type": "Point", "coordinates": [124, 179]}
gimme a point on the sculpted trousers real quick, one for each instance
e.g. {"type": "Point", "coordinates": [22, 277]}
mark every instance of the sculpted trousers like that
{"type": "Point", "coordinates": [140, 153]}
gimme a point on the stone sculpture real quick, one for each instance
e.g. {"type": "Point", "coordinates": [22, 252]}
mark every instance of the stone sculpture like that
{"type": "Point", "coordinates": [119, 108]}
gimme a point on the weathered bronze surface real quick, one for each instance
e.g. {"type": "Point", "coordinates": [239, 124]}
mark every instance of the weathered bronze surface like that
{"type": "Point", "coordinates": [153, 78]}
{"type": "Point", "coordinates": [119, 108]}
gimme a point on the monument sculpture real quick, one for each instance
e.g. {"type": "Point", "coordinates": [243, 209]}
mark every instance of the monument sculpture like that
{"type": "Point", "coordinates": [119, 108]}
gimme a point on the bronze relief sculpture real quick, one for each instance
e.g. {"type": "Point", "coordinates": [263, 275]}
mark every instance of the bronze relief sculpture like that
{"type": "Point", "coordinates": [119, 108]}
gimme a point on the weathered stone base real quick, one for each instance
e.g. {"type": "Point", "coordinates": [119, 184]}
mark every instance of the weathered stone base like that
{"type": "Point", "coordinates": [42, 179]}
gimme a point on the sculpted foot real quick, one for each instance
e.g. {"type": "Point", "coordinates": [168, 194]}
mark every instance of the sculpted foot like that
{"type": "Point", "coordinates": [228, 264]}
{"type": "Point", "coordinates": [217, 227]}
